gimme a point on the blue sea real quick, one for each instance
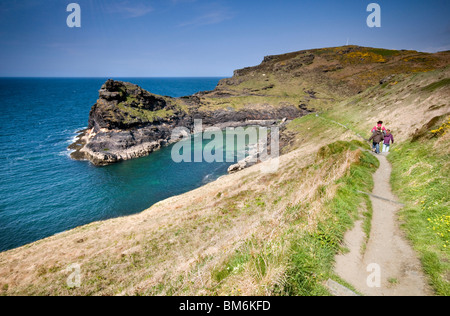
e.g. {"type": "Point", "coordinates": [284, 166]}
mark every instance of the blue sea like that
{"type": "Point", "coordinates": [43, 192]}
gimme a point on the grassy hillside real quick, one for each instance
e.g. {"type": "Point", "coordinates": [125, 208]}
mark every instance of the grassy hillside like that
{"type": "Point", "coordinates": [421, 179]}
{"type": "Point", "coordinates": [218, 240]}
{"type": "Point", "coordinates": [417, 109]}
{"type": "Point", "coordinates": [252, 233]}
{"type": "Point", "coordinates": [317, 77]}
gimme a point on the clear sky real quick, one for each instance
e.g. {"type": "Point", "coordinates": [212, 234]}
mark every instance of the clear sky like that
{"type": "Point", "coordinates": [170, 38]}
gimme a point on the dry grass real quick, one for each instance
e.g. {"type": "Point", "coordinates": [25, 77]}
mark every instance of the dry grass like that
{"type": "Point", "coordinates": [177, 246]}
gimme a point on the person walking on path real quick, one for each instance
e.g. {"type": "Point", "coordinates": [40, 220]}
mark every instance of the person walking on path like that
{"type": "Point", "coordinates": [388, 138]}
{"type": "Point", "coordinates": [376, 139]}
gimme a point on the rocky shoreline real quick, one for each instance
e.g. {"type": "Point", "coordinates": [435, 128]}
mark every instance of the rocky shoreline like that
{"type": "Point", "coordinates": [128, 122]}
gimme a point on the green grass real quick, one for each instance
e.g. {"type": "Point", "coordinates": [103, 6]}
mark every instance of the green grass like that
{"type": "Point", "coordinates": [134, 114]}
{"type": "Point", "coordinates": [233, 265]}
{"type": "Point", "coordinates": [436, 85]}
{"type": "Point", "coordinates": [312, 127]}
{"type": "Point", "coordinates": [385, 52]}
{"type": "Point", "coordinates": [421, 178]}
{"type": "Point", "coordinates": [312, 255]}
{"type": "Point", "coordinates": [307, 254]}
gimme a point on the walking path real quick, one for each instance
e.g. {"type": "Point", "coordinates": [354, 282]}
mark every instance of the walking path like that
{"type": "Point", "coordinates": [389, 266]}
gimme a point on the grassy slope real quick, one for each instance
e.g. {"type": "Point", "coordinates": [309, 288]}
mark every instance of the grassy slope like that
{"type": "Point", "coordinates": [221, 239]}
{"type": "Point", "coordinates": [332, 74]}
{"type": "Point", "coordinates": [234, 242]}
{"type": "Point", "coordinates": [252, 233]}
{"type": "Point", "coordinates": [420, 162]}
{"type": "Point", "coordinates": [421, 179]}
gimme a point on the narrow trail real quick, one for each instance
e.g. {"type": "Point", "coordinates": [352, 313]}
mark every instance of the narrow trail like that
{"type": "Point", "coordinates": [389, 266]}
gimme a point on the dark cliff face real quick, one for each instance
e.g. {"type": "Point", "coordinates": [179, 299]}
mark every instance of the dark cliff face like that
{"type": "Point", "coordinates": [124, 106]}
{"type": "Point", "coordinates": [129, 122]}
{"type": "Point", "coordinates": [222, 116]}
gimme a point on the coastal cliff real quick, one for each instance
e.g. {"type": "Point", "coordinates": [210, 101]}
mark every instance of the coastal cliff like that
{"type": "Point", "coordinates": [129, 122]}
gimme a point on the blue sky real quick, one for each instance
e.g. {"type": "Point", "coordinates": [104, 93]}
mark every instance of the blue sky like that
{"type": "Point", "coordinates": [169, 38]}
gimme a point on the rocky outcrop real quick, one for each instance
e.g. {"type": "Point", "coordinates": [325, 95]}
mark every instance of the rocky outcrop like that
{"type": "Point", "coordinates": [128, 122]}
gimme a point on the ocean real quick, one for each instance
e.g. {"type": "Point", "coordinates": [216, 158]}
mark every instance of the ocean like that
{"type": "Point", "coordinates": [43, 192]}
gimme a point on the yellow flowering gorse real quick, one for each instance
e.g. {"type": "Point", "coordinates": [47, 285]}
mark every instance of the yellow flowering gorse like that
{"type": "Point", "coordinates": [441, 227]}
{"type": "Point", "coordinates": [441, 131]}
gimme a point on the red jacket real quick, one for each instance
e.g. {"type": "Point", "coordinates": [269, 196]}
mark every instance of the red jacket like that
{"type": "Point", "coordinates": [376, 128]}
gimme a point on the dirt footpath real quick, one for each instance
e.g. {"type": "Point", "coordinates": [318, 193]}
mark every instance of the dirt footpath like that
{"type": "Point", "coordinates": [388, 266]}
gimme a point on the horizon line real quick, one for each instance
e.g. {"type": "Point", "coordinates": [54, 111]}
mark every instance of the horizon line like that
{"type": "Point", "coordinates": [110, 77]}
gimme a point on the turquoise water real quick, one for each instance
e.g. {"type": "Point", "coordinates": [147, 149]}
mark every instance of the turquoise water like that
{"type": "Point", "coordinates": [44, 192]}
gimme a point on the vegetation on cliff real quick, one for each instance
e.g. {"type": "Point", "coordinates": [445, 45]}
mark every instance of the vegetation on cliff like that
{"type": "Point", "coordinates": [422, 179]}
{"type": "Point", "coordinates": [282, 87]}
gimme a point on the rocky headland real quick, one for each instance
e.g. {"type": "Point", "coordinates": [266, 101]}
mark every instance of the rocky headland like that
{"type": "Point", "coordinates": [129, 122]}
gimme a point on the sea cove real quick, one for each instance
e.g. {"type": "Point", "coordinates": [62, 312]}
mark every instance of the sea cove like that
{"type": "Point", "coordinates": [44, 192]}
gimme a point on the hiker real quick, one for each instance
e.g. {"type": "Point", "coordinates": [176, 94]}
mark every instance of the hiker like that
{"type": "Point", "coordinates": [379, 124]}
{"type": "Point", "coordinates": [388, 138]}
{"type": "Point", "coordinates": [376, 139]}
